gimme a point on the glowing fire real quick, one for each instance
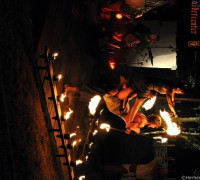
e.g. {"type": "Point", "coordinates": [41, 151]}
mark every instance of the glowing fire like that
{"type": "Point", "coordinates": [81, 177]}
{"type": "Point", "coordinates": [94, 103]}
{"type": "Point", "coordinates": [105, 126]}
{"type": "Point", "coordinates": [62, 97]}
{"type": "Point", "coordinates": [86, 158]}
{"type": "Point", "coordinates": [72, 134]}
{"type": "Point", "coordinates": [90, 145]}
{"type": "Point", "coordinates": [163, 140]}
{"type": "Point", "coordinates": [60, 77]}
{"type": "Point", "coordinates": [149, 104]}
{"type": "Point", "coordinates": [172, 128]}
{"type": "Point", "coordinates": [67, 115]}
{"type": "Point", "coordinates": [55, 55]}
{"type": "Point", "coordinates": [95, 132]}
{"type": "Point", "coordinates": [74, 143]}
{"type": "Point", "coordinates": [79, 162]}
{"type": "Point", "coordinates": [118, 16]}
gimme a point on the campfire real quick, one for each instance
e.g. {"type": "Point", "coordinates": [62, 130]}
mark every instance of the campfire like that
{"type": "Point", "coordinates": [172, 128]}
{"type": "Point", "coordinates": [149, 104]}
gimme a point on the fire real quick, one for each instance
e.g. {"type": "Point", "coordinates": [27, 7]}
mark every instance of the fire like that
{"type": "Point", "coordinates": [55, 55]}
{"type": "Point", "coordinates": [81, 177]}
{"type": "Point", "coordinates": [60, 77]}
{"type": "Point", "coordinates": [86, 158]}
{"type": "Point", "coordinates": [149, 104]}
{"type": "Point", "coordinates": [78, 162]}
{"type": "Point", "coordinates": [163, 140]}
{"type": "Point", "coordinates": [105, 126]}
{"type": "Point", "coordinates": [67, 115]}
{"type": "Point", "coordinates": [94, 103]}
{"type": "Point", "coordinates": [95, 132]}
{"type": "Point", "coordinates": [90, 145]}
{"type": "Point", "coordinates": [72, 134]}
{"type": "Point", "coordinates": [118, 16]}
{"type": "Point", "coordinates": [172, 128]}
{"type": "Point", "coordinates": [74, 143]}
{"type": "Point", "coordinates": [62, 97]}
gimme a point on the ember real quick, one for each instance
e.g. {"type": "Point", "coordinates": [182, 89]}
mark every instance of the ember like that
{"type": "Point", "coordinates": [78, 162]}
{"type": "Point", "coordinates": [62, 97]}
{"type": "Point", "coordinates": [81, 177]}
{"type": "Point", "coordinates": [95, 132]}
{"type": "Point", "coordinates": [163, 140]}
{"type": "Point", "coordinates": [94, 103]}
{"type": "Point", "coordinates": [72, 134]}
{"type": "Point", "coordinates": [172, 128]}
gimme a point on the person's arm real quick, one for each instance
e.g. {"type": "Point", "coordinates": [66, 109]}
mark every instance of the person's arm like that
{"type": "Point", "coordinates": [134, 109]}
{"type": "Point", "coordinates": [170, 100]}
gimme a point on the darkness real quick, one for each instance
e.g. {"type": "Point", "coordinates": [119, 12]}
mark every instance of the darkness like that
{"type": "Point", "coordinates": [73, 28]}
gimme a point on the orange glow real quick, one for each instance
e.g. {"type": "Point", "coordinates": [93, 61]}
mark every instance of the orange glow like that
{"type": "Point", "coordinates": [149, 104]}
{"type": "Point", "coordinates": [112, 64]}
{"type": "Point", "coordinates": [119, 16]}
{"type": "Point", "coordinates": [94, 103]}
{"type": "Point", "coordinates": [67, 115]}
{"type": "Point", "coordinates": [172, 128]}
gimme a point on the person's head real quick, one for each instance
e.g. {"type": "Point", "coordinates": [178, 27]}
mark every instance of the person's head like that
{"type": "Point", "coordinates": [154, 121]}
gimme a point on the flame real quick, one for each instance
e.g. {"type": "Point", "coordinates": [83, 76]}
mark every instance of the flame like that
{"type": "Point", "coordinates": [163, 140]}
{"type": "Point", "coordinates": [81, 177]}
{"type": "Point", "coordinates": [105, 126]}
{"type": "Point", "coordinates": [101, 111]}
{"type": "Point", "coordinates": [149, 104]}
{"type": "Point", "coordinates": [74, 143]}
{"type": "Point", "coordinates": [67, 115]}
{"type": "Point", "coordinates": [90, 145]}
{"type": "Point", "coordinates": [62, 97]}
{"type": "Point", "coordinates": [79, 162]}
{"type": "Point", "coordinates": [118, 16]}
{"type": "Point", "coordinates": [172, 128]}
{"type": "Point", "coordinates": [86, 158]}
{"type": "Point", "coordinates": [55, 55]}
{"type": "Point", "coordinates": [97, 122]}
{"type": "Point", "coordinates": [72, 134]}
{"type": "Point", "coordinates": [60, 77]}
{"type": "Point", "coordinates": [94, 103]}
{"type": "Point", "coordinates": [95, 132]}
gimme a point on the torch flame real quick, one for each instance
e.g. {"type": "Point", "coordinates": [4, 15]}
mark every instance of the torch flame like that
{"type": "Point", "coordinates": [149, 104]}
{"type": "Point", "coordinates": [94, 103]}
{"type": "Point", "coordinates": [60, 77]}
{"type": "Point", "coordinates": [67, 115]}
{"type": "Point", "coordinates": [172, 128]}
{"type": "Point", "coordinates": [81, 177]}
{"type": "Point", "coordinates": [72, 134]}
{"type": "Point", "coordinates": [163, 140]}
{"type": "Point", "coordinates": [79, 162]}
{"type": "Point", "coordinates": [105, 126]}
{"type": "Point", "coordinates": [74, 143]}
{"type": "Point", "coordinates": [62, 97]}
{"type": "Point", "coordinates": [95, 132]}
